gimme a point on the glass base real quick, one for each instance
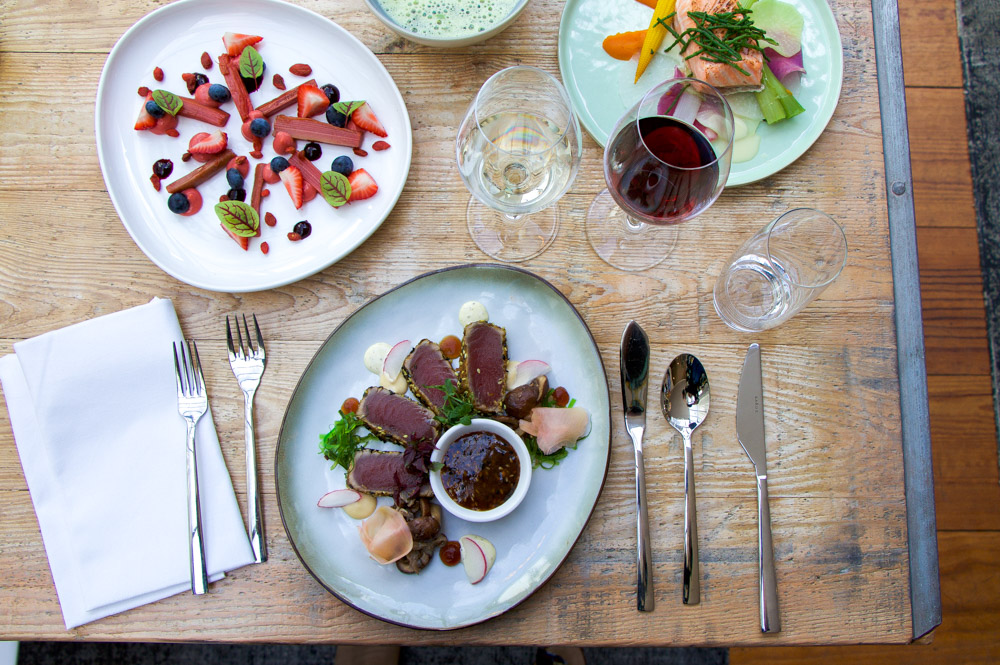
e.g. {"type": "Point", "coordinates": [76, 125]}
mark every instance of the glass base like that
{"type": "Point", "coordinates": [621, 241]}
{"type": "Point", "coordinates": [511, 239]}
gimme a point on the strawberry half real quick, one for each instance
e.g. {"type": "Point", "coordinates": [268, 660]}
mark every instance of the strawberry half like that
{"type": "Point", "coordinates": [363, 186]}
{"type": "Point", "coordinates": [144, 121]}
{"type": "Point", "coordinates": [292, 179]}
{"type": "Point", "coordinates": [365, 118]}
{"type": "Point", "coordinates": [312, 101]}
{"type": "Point", "coordinates": [235, 42]}
{"type": "Point", "coordinates": [209, 144]}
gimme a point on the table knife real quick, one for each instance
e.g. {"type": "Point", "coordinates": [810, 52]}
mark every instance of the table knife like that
{"type": "Point", "coordinates": [750, 432]}
{"type": "Point", "coordinates": [635, 379]}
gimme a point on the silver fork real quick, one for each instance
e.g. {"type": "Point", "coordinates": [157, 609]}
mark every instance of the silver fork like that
{"type": "Point", "coordinates": [192, 402]}
{"type": "Point", "coordinates": [248, 366]}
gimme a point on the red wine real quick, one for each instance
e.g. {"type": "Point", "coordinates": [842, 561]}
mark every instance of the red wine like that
{"type": "Point", "coordinates": [669, 175]}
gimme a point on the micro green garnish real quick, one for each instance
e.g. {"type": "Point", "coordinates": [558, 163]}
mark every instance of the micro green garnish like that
{"type": "Point", "coordinates": [720, 37]}
{"type": "Point", "coordinates": [540, 459]}
{"type": "Point", "coordinates": [341, 443]}
{"type": "Point", "coordinates": [348, 108]}
{"type": "Point", "coordinates": [251, 64]}
{"type": "Point", "coordinates": [168, 101]}
{"type": "Point", "coordinates": [336, 188]}
{"type": "Point", "coordinates": [457, 407]}
{"type": "Point", "coordinates": [238, 217]}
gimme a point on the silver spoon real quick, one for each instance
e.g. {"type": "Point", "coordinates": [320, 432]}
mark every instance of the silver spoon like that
{"type": "Point", "coordinates": [684, 399]}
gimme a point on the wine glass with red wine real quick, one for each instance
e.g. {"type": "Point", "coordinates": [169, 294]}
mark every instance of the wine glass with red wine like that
{"type": "Point", "coordinates": [667, 160]}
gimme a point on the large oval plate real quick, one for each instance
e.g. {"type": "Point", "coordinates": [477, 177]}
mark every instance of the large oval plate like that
{"type": "Point", "coordinates": [195, 249]}
{"type": "Point", "coordinates": [533, 541]}
{"type": "Point", "coordinates": [601, 87]}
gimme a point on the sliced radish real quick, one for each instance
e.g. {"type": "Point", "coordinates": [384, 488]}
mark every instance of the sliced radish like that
{"type": "Point", "coordinates": [478, 555]}
{"type": "Point", "coordinates": [528, 371]}
{"type": "Point", "coordinates": [339, 498]}
{"type": "Point", "coordinates": [359, 510]}
{"type": "Point", "coordinates": [394, 359]}
{"type": "Point", "coordinates": [511, 373]}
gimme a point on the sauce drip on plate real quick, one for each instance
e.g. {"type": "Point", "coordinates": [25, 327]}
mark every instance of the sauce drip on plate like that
{"type": "Point", "coordinates": [480, 471]}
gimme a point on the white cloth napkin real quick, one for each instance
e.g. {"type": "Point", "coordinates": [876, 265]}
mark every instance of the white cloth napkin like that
{"type": "Point", "coordinates": [94, 411]}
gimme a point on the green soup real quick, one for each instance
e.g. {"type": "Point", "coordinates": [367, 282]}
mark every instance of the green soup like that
{"type": "Point", "coordinates": [448, 18]}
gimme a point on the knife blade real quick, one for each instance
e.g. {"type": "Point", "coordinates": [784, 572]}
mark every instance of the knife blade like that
{"type": "Point", "coordinates": [634, 364]}
{"type": "Point", "coordinates": [750, 433]}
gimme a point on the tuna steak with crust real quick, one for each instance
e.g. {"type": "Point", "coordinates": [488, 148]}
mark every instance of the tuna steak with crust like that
{"type": "Point", "coordinates": [483, 369]}
{"type": "Point", "coordinates": [426, 367]}
{"type": "Point", "coordinates": [395, 418]}
{"type": "Point", "coordinates": [384, 473]}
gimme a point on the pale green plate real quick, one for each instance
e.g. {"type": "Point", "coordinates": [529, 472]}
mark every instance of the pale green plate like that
{"type": "Point", "coordinates": [602, 90]}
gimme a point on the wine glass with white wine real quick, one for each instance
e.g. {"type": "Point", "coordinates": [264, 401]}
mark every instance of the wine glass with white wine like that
{"type": "Point", "coordinates": [518, 151]}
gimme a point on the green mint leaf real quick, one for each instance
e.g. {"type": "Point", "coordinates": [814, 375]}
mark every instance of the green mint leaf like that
{"type": "Point", "coordinates": [238, 217]}
{"type": "Point", "coordinates": [167, 101]}
{"type": "Point", "coordinates": [336, 188]}
{"type": "Point", "coordinates": [251, 64]}
{"type": "Point", "coordinates": [348, 108]}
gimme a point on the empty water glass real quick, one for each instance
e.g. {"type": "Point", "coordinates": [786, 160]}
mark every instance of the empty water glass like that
{"type": "Point", "coordinates": [780, 270]}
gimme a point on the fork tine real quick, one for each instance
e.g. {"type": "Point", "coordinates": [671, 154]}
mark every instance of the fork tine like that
{"type": "Point", "coordinates": [199, 378]}
{"type": "Point", "coordinates": [260, 338]}
{"type": "Point", "coordinates": [240, 350]}
{"type": "Point", "coordinates": [229, 340]}
{"type": "Point", "coordinates": [188, 383]}
{"type": "Point", "coordinates": [177, 371]}
{"type": "Point", "coordinates": [246, 329]}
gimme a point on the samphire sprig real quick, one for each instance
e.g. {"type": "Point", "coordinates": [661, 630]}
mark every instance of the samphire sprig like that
{"type": "Point", "coordinates": [720, 37]}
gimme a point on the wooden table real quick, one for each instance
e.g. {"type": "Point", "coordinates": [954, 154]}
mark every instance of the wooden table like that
{"type": "Point", "coordinates": [837, 433]}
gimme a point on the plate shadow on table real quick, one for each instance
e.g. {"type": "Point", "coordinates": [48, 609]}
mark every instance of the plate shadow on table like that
{"type": "Point", "coordinates": [107, 653]}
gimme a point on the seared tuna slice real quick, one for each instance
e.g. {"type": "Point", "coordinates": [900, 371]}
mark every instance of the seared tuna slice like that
{"type": "Point", "coordinates": [398, 419]}
{"type": "Point", "coordinates": [483, 368]}
{"type": "Point", "coordinates": [383, 473]}
{"type": "Point", "coordinates": [426, 367]}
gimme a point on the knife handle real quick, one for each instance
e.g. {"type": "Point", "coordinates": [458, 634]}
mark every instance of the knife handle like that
{"type": "Point", "coordinates": [644, 580]}
{"type": "Point", "coordinates": [770, 621]}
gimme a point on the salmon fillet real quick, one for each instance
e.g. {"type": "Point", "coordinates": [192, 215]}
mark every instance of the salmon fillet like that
{"type": "Point", "coordinates": [718, 74]}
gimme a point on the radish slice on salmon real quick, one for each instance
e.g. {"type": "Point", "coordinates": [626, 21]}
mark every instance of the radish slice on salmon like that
{"type": "Point", "coordinates": [555, 427]}
{"type": "Point", "coordinates": [386, 535]}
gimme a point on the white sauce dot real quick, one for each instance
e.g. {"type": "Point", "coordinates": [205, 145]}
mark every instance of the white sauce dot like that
{"type": "Point", "coordinates": [375, 357]}
{"type": "Point", "coordinates": [472, 311]}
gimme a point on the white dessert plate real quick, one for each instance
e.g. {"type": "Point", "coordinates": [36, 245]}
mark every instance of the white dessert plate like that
{"type": "Point", "coordinates": [602, 88]}
{"type": "Point", "coordinates": [195, 249]}
{"type": "Point", "coordinates": [532, 541]}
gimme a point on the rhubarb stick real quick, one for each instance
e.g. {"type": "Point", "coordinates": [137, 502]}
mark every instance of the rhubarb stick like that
{"type": "Point", "coordinates": [195, 110]}
{"type": "Point", "coordinates": [316, 130]}
{"type": "Point", "coordinates": [239, 92]}
{"type": "Point", "coordinates": [258, 187]}
{"type": "Point", "coordinates": [310, 173]}
{"type": "Point", "coordinates": [202, 173]}
{"type": "Point", "coordinates": [282, 101]}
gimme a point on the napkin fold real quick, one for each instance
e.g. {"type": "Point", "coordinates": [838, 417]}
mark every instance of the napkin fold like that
{"type": "Point", "coordinates": [93, 408]}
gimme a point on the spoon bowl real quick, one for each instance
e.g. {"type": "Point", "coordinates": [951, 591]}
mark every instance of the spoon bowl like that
{"type": "Point", "coordinates": [684, 399]}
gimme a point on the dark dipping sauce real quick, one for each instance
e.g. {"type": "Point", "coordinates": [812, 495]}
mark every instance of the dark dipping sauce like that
{"type": "Point", "coordinates": [480, 470]}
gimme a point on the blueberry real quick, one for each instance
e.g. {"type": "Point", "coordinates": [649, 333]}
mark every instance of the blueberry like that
{"type": "Point", "coordinates": [331, 93]}
{"type": "Point", "coordinates": [303, 228]}
{"type": "Point", "coordinates": [335, 117]}
{"type": "Point", "coordinates": [312, 151]}
{"type": "Point", "coordinates": [163, 168]}
{"type": "Point", "coordinates": [237, 194]}
{"type": "Point", "coordinates": [279, 164]}
{"type": "Point", "coordinates": [251, 85]}
{"type": "Point", "coordinates": [234, 178]}
{"type": "Point", "coordinates": [199, 79]}
{"type": "Point", "coordinates": [178, 203]}
{"type": "Point", "coordinates": [260, 127]}
{"type": "Point", "coordinates": [153, 109]}
{"type": "Point", "coordinates": [343, 165]}
{"type": "Point", "coordinates": [219, 93]}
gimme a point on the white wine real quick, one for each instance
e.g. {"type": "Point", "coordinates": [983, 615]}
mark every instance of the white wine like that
{"type": "Point", "coordinates": [517, 162]}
